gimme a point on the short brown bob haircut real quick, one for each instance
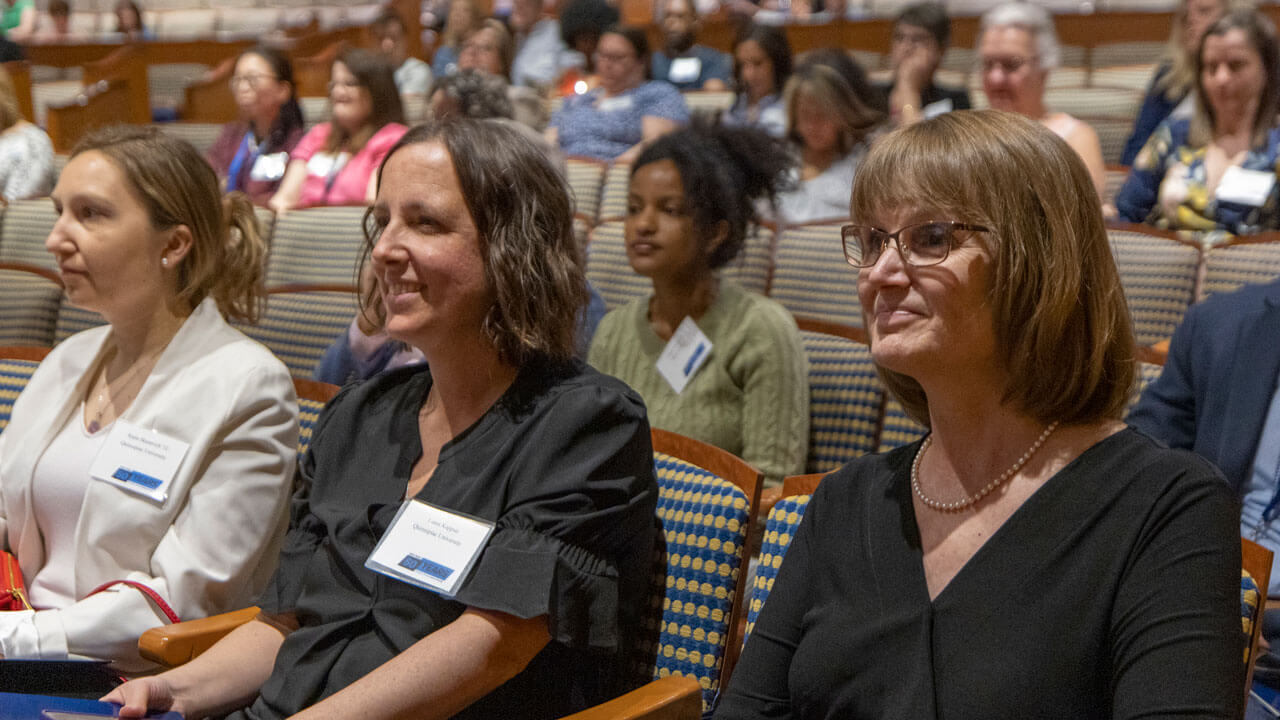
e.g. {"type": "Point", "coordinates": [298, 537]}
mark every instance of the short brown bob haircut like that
{"type": "Point", "coordinates": [523, 212]}
{"type": "Point", "coordinates": [1061, 322]}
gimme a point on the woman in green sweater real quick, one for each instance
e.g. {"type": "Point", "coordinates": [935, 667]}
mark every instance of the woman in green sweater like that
{"type": "Point", "coordinates": [711, 360]}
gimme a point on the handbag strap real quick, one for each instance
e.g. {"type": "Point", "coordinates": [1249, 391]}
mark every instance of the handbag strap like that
{"type": "Point", "coordinates": [151, 594]}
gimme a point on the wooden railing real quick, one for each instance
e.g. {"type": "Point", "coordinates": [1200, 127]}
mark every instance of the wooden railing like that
{"type": "Point", "coordinates": [101, 104]}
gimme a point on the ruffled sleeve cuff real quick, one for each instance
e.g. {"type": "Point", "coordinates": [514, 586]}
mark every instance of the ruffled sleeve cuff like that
{"type": "Point", "coordinates": [526, 573]}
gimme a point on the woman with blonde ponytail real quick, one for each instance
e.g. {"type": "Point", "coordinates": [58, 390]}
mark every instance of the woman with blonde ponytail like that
{"type": "Point", "coordinates": [157, 450]}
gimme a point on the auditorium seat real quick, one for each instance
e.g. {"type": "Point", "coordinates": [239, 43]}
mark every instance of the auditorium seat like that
{"type": "Point", "coordinates": [316, 245]}
{"type": "Point", "coordinates": [779, 529]}
{"type": "Point", "coordinates": [200, 135]}
{"type": "Point", "coordinates": [1112, 135]}
{"type": "Point", "coordinates": [608, 268]}
{"type": "Point", "coordinates": [24, 227]}
{"type": "Point", "coordinates": [1242, 261]}
{"type": "Point", "coordinates": [585, 176]}
{"type": "Point", "coordinates": [811, 277]}
{"type": "Point", "coordinates": [846, 399]}
{"type": "Point", "coordinates": [30, 296]}
{"type": "Point", "coordinates": [298, 325]}
{"type": "Point", "coordinates": [72, 320]}
{"type": "Point", "coordinates": [14, 374]}
{"type": "Point", "coordinates": [897, 428]}
{"type": "Point", "coordinates": [1127, 53]}
{"type": "Point", "coordinates": [1158, 272]}
{"type": "Point", "coordinates": [1134, 77]}
{"type": "Point", "coordinates": [613, 194]}
{"type": "Point", "coordinates": [1116, 175]}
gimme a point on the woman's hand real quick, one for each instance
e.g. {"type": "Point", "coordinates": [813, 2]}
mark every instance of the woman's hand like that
{"type": "Point", "coordinates": [149, 694]}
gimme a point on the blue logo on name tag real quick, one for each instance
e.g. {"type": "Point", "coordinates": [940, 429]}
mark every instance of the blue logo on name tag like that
{"type": "Point", "coordinates": [697, 353]}
{"type": "Point", "coordinates": [425, 566]}
{"type": "Point", "coordinates": [133, 476]}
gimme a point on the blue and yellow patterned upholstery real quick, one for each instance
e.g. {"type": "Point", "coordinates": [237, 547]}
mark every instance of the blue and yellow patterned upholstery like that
{"type": "Point", "coordinates": [26, 225]}
{"type": "Point", "coordinates": [779, 529]}
{"type": "Point", "coordinates": [608, 268]}
{"type": "Point", "coordinates": [308, 416]}
{"type": "Point", "coordinates": [316, 245]}
{"type": "Point", "coordinates": [1229, 267]}
{"type": "Point", "coordinates": [299, 326]}
{"type": "Point", "coordinates": [1249, 601]}
{"type": "Point", "coordinates": [812, 279]}
{"type": "Point", "coordinates": [704, 521]}
{"type": "Point", "coordinates": [14, 375]}
{"type": "Point", "coordinates": [1159, 278]}
{"type": "Point", "coordinates": [613, 194]}
{"type": "Point", "coordinates": [30, 302]}
{"type": "Point", "coordinates": [845, 400]}
{"type": "Point", "coordinates": [585, 177]}
{"type": "Point", "coordinates": [898, 428]}
{"type": "Point", "coordinates": [72, 320]}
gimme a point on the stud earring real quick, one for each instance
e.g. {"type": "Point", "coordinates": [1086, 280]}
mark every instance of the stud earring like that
{"type": "Point", "coordinates": [164, 261]}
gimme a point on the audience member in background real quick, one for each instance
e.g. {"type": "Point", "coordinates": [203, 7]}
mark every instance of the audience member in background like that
{"type": "Point", "coordinates": [582, 22]}
{"type": "Point", "coordinates": [921, 33]}
{"type": "Point", "coordinates": [144, 237]}
{"type": "Point", "coordinates": [1217, 396]}
{"type": "Point", "coordinates": [681, 62]}
{"type": "Point", "coordinates": [473, 251]}
{"type": "Point", "coordinates": [831, 116]}
{"type": "Point", "coordinates": [541, 54]}
{"type": "Point", "coordinates": [335, 163]}
{"type": "Point", "coordinates": [1017, 49]}
{"type": "Point", "coordinates": [129, 22]}
{"type": "Point", "coordinates": [58, 27]}
{"type": "Point", "coordinates": [471, 93]}
{"type": "Point", "coordinates": [923, 582]}
{"type": "Point", "coordinates": [252, 153]}
{"type": "Point", "coordinates": [26, 153]}
{"type": "Point", "coordinates": [464, 17]}
{"type": "Point", "coordinates": [490, 48]}
{"type": "Point", "coordinates": [18, 19]}
{"type": "Point", "coordinates": [1175, 77]}
{"type": "Point", "coordinates": [614, 119]}
{"type": "Point", "coordinates": [1217, 169]}
{"type": "Point", "coordinates": [762, 65]}
{"type": "Point", "coordinates": [742, 383]}
{"type": "Point", "coordinates": [413, 77]}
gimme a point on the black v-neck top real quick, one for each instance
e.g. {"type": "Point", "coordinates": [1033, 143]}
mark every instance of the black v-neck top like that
{"type": "Point", "coordinates": [1113, 592]}
{"type": "Point", "coordinates": [563, 465]}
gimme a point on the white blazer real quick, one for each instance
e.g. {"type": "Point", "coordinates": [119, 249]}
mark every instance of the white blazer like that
{"type": "Point", "coordinates": [214, 542]}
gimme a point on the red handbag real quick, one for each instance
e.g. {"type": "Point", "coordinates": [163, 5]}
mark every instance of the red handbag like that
{"type": "Point", "coordinates": [13, 591]}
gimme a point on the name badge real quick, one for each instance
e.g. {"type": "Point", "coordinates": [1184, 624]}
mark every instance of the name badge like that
{"type": "Point", "coordinates": [685, 352]}
{"type": "Point", "coordinates": [325, 164]}
{"type": "Point", "coordinates": [269, 168]}
{"type": "Point", "coordinates": [430, 547]}
{"type": "Point", "coordinates": [685, 70]}
{"type": "Point", "coordinates": [935, 109]}
{"type": "Point", "coordinates": [614, 104]}
{"type": "Point", "coordinates": [139, 460]}
{"type": "Point", "coordinates": [1247, 187]}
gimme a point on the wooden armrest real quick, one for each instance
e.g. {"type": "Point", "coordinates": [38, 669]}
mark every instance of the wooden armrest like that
{"type": "Point", "coordinates": [768, 498]}
{"type": "Point", "coordinates": [173, 645]}
{"type": "Point", "coordinates": [674, 697]}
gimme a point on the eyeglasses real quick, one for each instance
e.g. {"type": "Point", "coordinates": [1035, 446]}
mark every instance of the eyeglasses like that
{"type": "Point", "coordinates": [1007, 65]}
{"type": "Point", "coordinates": [253, 81]}
{"type": "Point", "coordinates": [920, 245]}
{"type": "Point", "coordinates": [346, 84]}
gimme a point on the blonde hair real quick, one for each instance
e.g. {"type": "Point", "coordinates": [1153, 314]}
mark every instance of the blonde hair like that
{"type": "Point", "coordinates": [178, 187]}
{"type": "Point", "coordinates": [826, 86]}
{"type": "Point", "coordinates": [1181, 77]}
{"type": "Point", "coordinates": [10, 113]}
{"type": "Point", "coordinates": [1062, 326]}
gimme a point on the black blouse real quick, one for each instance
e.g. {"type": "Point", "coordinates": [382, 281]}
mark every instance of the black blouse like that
{"type": "Point", "coordinates": [1113, 592]}
{"type": "Point", "coordinates": [562, 464]}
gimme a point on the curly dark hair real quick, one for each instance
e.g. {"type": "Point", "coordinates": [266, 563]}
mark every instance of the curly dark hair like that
{"type": "Point", "coordinates": [476, 94]}
{"type": "Point", "coordinates": [724, 170]}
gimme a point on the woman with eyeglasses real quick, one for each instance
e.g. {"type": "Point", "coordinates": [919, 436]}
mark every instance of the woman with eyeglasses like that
{"type": "Point", "coordinates": [1031, 556]}
{"type": "Point", "coordinates": [689, 206]}
{"type": "Point", "coordinates": [252, 153]}
{"type": "Point", "coordinates": [336, 162]}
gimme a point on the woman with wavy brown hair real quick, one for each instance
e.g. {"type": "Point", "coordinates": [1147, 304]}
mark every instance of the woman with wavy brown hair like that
{"type": "Point", "coordinates": [192, 525]}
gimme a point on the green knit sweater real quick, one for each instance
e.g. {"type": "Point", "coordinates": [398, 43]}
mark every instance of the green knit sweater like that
{"type": "Point", "coordinates": [750, 397]}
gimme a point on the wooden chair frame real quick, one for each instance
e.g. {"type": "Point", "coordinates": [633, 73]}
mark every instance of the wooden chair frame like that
{"type": "Point", "coordinates": [1256, 560]}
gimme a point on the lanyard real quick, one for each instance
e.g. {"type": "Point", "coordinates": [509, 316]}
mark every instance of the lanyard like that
{"type": "Point", "coordinates": [1269, 513]}
{"type": "Point", "coordinates": [248, 150]}
{"type": "Point", "coordinates": [339, 163]}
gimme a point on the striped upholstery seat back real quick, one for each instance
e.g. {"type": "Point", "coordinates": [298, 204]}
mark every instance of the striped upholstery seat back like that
{"type": "Point", "coordinates": [779, 529]}
{"type": "Point", "coordinates": [1159, 278]}
{"type": "Point", "coordinates": [72, 320]}
{"type": "Point", "coordinates": [811, 277]}
{"type": "Point", "coordinates": [898, 428]}
{"type": "Point", "coordinates": [1116, 175]}
{"type": "Point", "coordinates": [1147, 373]}
{"type": "Point", "coordinates": [1135, 77]}
{"type": "Point", "coordinates": [30, 308]}
{"type": "Point", "coordinates": [316, 245]}
{"type": "Point", "coordinates": [1230, 266]}
{"type": "Point", "coordinates": [1113, 133]}
{"type": "Point", "coordinates": [752, 265]}
{"type": "Point", "coordinates": [1094, 101]}
{"type": "Point", "coordinates": [299, 326]}
{"type": "Point", "coordinates": [585, 177]}
{"type": "Point", "coordinates": [704, 521]}
{"type": "Point", "coordinates": [1127, 53]}
{"type": "Point", "coordinates": [845, 400]}
{"type": "Point", "coordinates": [608, 268]}
{"type": "Point", "coordinates": [613, 194]}
{"type": "Point", "coordinates": [308, 416]}
{"type": "Point", "coordinates": [202, 136]}
{"type": "Point", "coordinates": [14, 375]}
{"type": "Point", "coordinates": [266, 222]}
{"type": "Point", "coordinates": [26, 225]}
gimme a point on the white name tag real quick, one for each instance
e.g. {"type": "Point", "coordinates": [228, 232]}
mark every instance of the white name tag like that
{"type": "Point", "coordinates": [139, 460]}
{"type": "Point", "coordinates": [614, 104]}
{"type": "Point", "coordinates": [269, 168]}
{"type": "Point", "coordinates": [685, 70]}
{"type": "Point", "coordinates": [325, 164]}
{"type": "Point", "coordinates": [1247, 187]}
{"type": "Point", "coordinates": [685, 352]}
{"type": "Point", "coordinates": [935, 109]}
{"type": "Point", "coordinates": [430, 547]}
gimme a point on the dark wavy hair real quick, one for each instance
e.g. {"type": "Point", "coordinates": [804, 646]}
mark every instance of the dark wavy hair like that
{"type": "Point", "coordinates": [776, 47]}
{"type": "Point", "coordinates": [290, 117]}
{"type": "Point", "coordinates": [724, 171]}
{"type": "Point", "coordinates": [376, 76]}
{"type": "Point", "coordinates": [523, 213]}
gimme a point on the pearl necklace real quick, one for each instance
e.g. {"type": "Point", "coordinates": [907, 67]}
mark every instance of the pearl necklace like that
{"type": "Point", "coordinates": [970, 500]}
